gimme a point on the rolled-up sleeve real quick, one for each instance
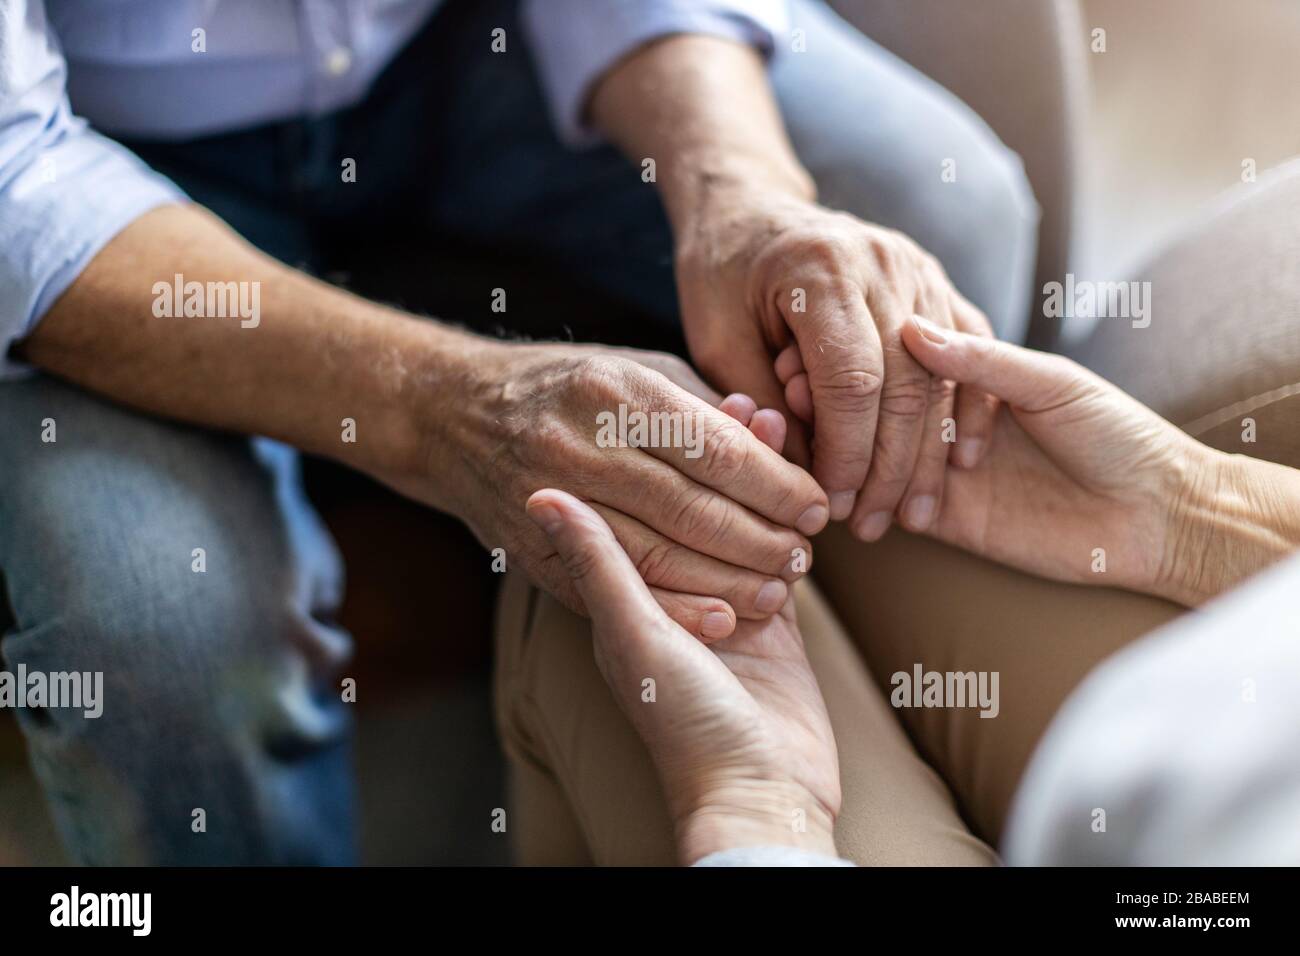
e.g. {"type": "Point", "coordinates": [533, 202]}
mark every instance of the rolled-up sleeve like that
{"type": "Point", "coordinates": [65, 190]}
{"type": "Point", "coordinates": [575, 41]}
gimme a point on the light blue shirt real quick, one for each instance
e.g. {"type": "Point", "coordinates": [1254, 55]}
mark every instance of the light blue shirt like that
{"type": "Point", "coordinates": [173, 69]}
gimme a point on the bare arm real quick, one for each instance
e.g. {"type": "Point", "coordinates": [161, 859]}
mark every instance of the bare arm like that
{"type": "Point", "coordinates": [702, 108]}
{"type": "Point", "coordinates": [318, 355]}
{"type": "Point", "coordinates": [469, 425]}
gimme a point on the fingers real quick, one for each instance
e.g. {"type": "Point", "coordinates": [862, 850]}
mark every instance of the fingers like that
{"type": "Point", "coordinates": [701, 519]}
{"type": "Point", "coordinates": [704, 617]}
{"type": "Point", "coordinates": [798, 393]}
{"type": "Point", "coordinates": [752, 374]}
{"type": "Point", "coordinates": [615, 596]}
{"type": "Point", "coordinates": [976, 409]}
{"type": "Point", "coordinates": [749, 371]}
{"type": "Point", "coordinates": [1029, 380]}
{"type": "Point", "coordinates": [840, 349]}
{"type": "Point", "coordinates": [903, 405]}
{"type": "Point", "coordinates": [740, 407]}
{"type": "Point", "coordinates": [923, 496]}
{"type": "Point", "coordinates": [768, 426]}
{"type": "Point", "coordinates": [662, 562]}
{"type": "Point", "coordinates": [724, 456]}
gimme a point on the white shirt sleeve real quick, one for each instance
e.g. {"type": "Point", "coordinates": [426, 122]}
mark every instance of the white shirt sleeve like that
{"type": "Point", "coordinates": [1183, 750]}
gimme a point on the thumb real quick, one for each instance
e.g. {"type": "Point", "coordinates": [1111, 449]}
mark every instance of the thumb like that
{"type": "Point", "coordinates": [1027, 379]}
{"type": "Point", "coordinates": [603, 575]}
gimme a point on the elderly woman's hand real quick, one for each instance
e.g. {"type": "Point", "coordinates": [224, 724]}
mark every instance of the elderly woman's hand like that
{"type": "Point", "coordinates": [1083, 483]}
{"type": "Point", "coordinates": [737, 730]}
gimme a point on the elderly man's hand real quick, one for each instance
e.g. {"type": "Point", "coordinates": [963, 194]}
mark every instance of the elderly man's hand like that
{"type": "Point", "coordinates": [717, 529]}
{"type": "Point", "coordinates": [759, 271]}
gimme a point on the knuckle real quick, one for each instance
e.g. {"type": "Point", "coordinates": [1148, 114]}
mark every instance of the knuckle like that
{"type": "Point", "coordinates": [905, 397]}
{"type": "Point", "coordinates": [889, 254]}
{"type": "Point", "coordinates": [818, 255]}
{"type": "Point", "coordinates": [656, 564]}
{"type": "Point", "coordinates": [943, 391]}
{"type": "Point", "coordinates": [848, 389]}
{"type": "Point", "coordinates": [728, 454]}
{"type": "Point", "coordinates": [603, 377]}
{"type": "Point", "coordinates": [825, 250]}
{"type": "Point", "coordinates": [702, 517]}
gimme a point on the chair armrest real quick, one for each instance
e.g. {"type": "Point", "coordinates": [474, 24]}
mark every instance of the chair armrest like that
{"type": "Point", "coordinates": [1020, 65]}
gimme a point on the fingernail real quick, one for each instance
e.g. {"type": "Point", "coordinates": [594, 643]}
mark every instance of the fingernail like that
{"type": "Point", "coordinates": [770, 597]}
{"type": "Point", "coordinates": [545, 516]}
{"type": "Point", "coordinates": [715, 625]}
{"type": "Point", "coordinates": [842, 504]}
{"type": "Point", "coordinates": [929, 330]}
{"type": "Point", "coordinates": [920, 512]}
{"type": "Point", "coordinates": [873, 525]}
{"type": "Point", "coordinates": [968, 451]}
{"type": "Point", "coordinates": [812, 520]}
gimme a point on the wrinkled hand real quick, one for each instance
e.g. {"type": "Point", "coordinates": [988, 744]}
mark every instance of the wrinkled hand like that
{"type": "Point", "coordinates": [714, 535]}
{"type": "Point", "coordinates": [1075, 465]}
{"type": "Point", "coordinates": [738, 730]}
{"type": "Point", "coordinates": [762, 273]}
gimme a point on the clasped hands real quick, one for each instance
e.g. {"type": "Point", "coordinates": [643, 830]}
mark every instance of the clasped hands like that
{"type": "Point", "coordinates": [739, 732]}
{"type": "Point", "coordinates": [846, 349]}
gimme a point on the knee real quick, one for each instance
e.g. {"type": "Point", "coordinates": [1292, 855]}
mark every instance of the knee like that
{"type": "Point", "coordinates": [991, 241]}
{"type": "Point", "coordinates": [185, 651]}
{"type": "Point", "coordinates": [197, 611]}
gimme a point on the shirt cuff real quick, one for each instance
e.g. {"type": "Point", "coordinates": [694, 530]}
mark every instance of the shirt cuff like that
{"type": "Point", "coordinates": [56, 214]}
{"type": "Point", "coordinates": [769, 856]}
{"type": "Point", "coordinates": [575, 41]}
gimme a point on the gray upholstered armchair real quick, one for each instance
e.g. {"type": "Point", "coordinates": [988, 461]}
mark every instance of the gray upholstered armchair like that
{"type": "Point", "coordinates": [1019, 64]}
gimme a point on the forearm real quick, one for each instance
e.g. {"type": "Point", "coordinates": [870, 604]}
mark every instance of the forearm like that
{"type": "Point", "coordinates": [702, 109]}
{"type": "Point", "coordinates": [1244, 516]}
{"type": "Point", "coordinates": [316, 356]}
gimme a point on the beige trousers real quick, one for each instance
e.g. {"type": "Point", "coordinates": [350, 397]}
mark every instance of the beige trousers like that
{"type": "Point", "coordinates": [931, 785]}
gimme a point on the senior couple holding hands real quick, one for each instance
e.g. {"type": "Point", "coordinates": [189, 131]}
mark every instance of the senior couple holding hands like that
{"type": "Point", "coordinates": [840, 292]}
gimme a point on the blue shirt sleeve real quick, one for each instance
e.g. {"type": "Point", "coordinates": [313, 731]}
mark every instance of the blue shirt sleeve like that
{"type": "Point", "coordinates": [65, 190]}
{"type": "Point", "coordinates": [575, 41]}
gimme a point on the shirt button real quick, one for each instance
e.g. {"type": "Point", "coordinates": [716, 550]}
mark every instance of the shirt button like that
{"type": "Point", "coordinates": [339, 61]}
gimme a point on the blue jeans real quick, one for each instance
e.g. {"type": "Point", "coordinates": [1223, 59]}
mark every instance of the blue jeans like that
{"type": "Point", "coordinates": [221, 687]}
